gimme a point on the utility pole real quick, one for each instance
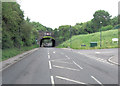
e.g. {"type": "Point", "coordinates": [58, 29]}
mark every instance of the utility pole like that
{"type": "Point", "coordinates": [70, 35]}
{"type": "Point", "coordinates": [100, 35]}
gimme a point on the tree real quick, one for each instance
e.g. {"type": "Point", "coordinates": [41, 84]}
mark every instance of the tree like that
{"type": "Point", "coordinates": [101, 18]}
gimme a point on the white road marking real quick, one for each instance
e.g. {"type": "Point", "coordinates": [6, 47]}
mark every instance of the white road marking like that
{"type": "Point", "coordinates": [48, 53]}
{"type": "Point", "coordinates": [103, 60]}
{"type": "Point", "coordinates": [50, 66]}
{"type": "Point", "coordinates": [62, 62]}
{"type": "Point", "coordinates": [52, 81]}
{"type": "Point", "coordinates": [67, 57]}
{"type": "Point", "coordinates": [54, 52]}
{"type": "Point", "coordinates": [98, 59]}
{"type": "Point", "coordinates": [59, 59]}
{"type": "Point", "coordinates": [48, 56]}
{"type": "Point", "coordinates": [112, 61]}
{"type": "Point", "coordinates": [70, 80]}
{"type": "Point", "coordinates": [77, 65]}
{"type": "Point", "coordinates": [96, 80]}
{"type": "Point", "coordinates": [97, 52]}
{"type": "Point", "coordinates": [65, 68]}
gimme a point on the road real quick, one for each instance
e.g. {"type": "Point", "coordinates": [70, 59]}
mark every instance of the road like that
{"type": "Point", "coordinates": [60, 66]}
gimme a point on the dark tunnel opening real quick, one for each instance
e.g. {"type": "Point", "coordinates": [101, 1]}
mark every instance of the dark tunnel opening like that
{"type": "Point", "coordinates": [47, 42]}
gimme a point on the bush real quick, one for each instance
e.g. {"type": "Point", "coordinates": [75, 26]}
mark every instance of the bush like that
{"type": "Point", "coordinates": [108, 27]}
{"type": "Point", "coordinates": [117, 26]}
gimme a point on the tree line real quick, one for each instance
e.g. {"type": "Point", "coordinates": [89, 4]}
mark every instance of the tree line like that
{"type": "Point", "coordinates": [18, 32]}
{"type": "Point", "coordinates": [102, 20]}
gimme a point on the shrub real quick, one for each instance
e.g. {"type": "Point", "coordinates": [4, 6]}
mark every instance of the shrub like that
{"type": "Point", "coordinates": [108, 27]}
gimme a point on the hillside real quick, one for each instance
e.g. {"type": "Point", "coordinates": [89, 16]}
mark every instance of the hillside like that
{"type": "Point", "coordinates": [76, 41]}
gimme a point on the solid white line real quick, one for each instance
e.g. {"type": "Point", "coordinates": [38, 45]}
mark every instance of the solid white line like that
{"type": "Point", "coordinates": [48, 56]}
{"type": "Point", "coordinates": [70, 80]}
{"type": "Point", "coordinates": [65, 68]}
{"type": "Point", "coordinates": [77, 65]}
{"type": "Point", "coordinates": [59, 59]}
{"type": "Point", "coordinates": [63, 62]}
{"type": "Point", "coordinates": [96, 80]}
{"type": "Point", "coordinates": [52, 81]}
{"type": "Point", "coordinates": [50, 66]}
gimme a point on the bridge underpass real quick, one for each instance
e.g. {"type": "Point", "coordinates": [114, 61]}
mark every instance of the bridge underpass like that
{"type": "Point", "coordinates": [47, 41]}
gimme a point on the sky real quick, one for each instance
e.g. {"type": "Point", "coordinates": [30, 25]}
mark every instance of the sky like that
{"type": "Point", "coordinates": [54, 13]}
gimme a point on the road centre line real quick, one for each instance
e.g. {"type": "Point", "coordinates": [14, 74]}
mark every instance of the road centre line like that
{"type": "Point", "coordinates": [77, 65]}
{"type": "Point", "coordinates": [52, 81]}
{"type": "Point", "coordinates": [54, 52]}
{"type": "Point", "coordinates": [70, 80]}
{"type": "Point", "coordinates": [48, 56]}
{"type": "Point", "coordinates": [96, 80]}
{"type": "Point", "coordinates": [65, 68]}
{"type": "Point", "coordinates": [50, 66]}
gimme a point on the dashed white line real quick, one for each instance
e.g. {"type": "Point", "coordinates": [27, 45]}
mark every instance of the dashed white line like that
{"type": "Point", "coordinates": [54, 52]}
{"type": "Point", "coordinates": [96, 80]}
{"type": "Point", "coordinates": [52, 81]}
{"type": "Point", "coordinates": [77, 65]}
{"type": "Point", "coordinates": [65, 68]}
{"type": "Point", "coordinates": [97, 52]}
{"type": "Point", "coordinates": [50, 66]}
{"type": "Point", "coordinates": [70, 80]}
{"type": "Point", "coordinates": [48, 56]}
{"type": "Point", "coordinates": [67, 57]}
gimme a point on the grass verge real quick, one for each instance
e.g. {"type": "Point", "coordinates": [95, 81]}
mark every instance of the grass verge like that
{"type": "Point", "coordinates": [76, 41]}
{"type": "Point", "coordinates": [8, 53]}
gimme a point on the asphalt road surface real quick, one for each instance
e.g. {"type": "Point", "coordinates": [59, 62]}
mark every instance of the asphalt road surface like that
{"type": "Point", "coordinates": [60, 66]}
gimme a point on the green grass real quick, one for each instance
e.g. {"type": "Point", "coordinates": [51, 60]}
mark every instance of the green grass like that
{"type": "Point", "coordinates": [85, 39]}
{"type": "Point", "coordinates": [8, 53]}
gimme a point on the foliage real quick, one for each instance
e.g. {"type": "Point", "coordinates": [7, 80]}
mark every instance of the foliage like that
{"type": "Point", "coordinates": [8, 53]}
{"type": "Point", "coordinates": [101, 19]}
{"type": "Point", "coordinates": [16, 31]}
{"type": "Point", "coordinates": [76, 41]}
{"type": "Point", "coordinates": [108, 27]}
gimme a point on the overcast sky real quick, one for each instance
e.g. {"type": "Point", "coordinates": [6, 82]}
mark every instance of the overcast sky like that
{"type": "Point", "coordinates": [54, 13]}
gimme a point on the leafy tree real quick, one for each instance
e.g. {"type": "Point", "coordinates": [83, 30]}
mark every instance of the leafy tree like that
{"type": "Point", "coordinates": [101, 18]}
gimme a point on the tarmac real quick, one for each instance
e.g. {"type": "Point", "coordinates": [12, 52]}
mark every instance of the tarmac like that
{"type": "Point", "coordinates": [113, 58]}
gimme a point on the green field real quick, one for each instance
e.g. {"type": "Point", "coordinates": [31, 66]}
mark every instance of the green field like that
{"type": "Point", "coordinates": [76, 41]}
{"type": "Point", "coordinates": [8, 53]}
